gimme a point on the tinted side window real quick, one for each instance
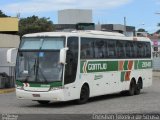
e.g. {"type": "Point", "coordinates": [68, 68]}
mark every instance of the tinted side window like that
{"type": "Point", "coordinates": [140, 50]}
{"type": "Point", "coordinates": [111, 48]}
{"type": "Point", "coordinates": [106, 49]}
{"type": "Point", "coordinates": [87, 48]}
{"type": "Point", "coordinates": [120, 49]}
{"type": "Point", "coordinates": [71, 60]}
{"type": "Point", "coordinates": [93, 48]}
{"type": "Point", "coordinates": [128, 49]}
{"type": "Point", "coordinates": [133, 53]}
{"type": "Point", "coordinates": [147, 50]}
{"type": "Point", "coordinates": [99, 48]}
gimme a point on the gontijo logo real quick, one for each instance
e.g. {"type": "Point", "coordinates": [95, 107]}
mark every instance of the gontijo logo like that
{"type": "Point", "coordinates": [98, 66]}
{"type": "Point", "coordinates": [91, 66]}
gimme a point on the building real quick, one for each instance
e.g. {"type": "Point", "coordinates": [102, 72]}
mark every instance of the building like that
{"type": "Point", "coordinates": [8, 25]}
{"type": "Point", "coordinates": [74, 16]}
{"type": "Point", "coordinates": [69, 18]}
{"type": "Point", "coordinates": [60, 27]}
{"type": "Point", "coordinates": [8, 39]}
{"type": "Point", "coordinates": [127, 30]}
{"type": "Point", "coordinates": [155, 38]}
{"type": "Point", "coordinates": [78, 26]}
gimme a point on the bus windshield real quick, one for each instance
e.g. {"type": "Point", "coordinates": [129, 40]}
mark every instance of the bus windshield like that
{"type": "Point", "coordinates": [38, 60]}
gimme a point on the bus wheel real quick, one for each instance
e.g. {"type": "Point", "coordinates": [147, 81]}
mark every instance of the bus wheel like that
{"type": "Point", "coordinates": [84, 95]}
{"type": "Point", "coordinates": [138, 87]}
{"type": "Point", "coordinates": [43, 102]}
{"type": "Point", "coordinates": [132, 88]}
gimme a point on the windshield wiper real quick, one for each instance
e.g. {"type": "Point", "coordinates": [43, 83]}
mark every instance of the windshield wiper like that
{"type": "Point", "coordinates": [34, 67]}
{"type": "Point", "coordinates": [43, 75]}
{"type": "Point", "coordinates": [37, 70]}
{"type": "Point", "coordinates": [26, 79]}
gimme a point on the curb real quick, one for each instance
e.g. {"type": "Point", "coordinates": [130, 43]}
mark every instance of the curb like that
{"type": "Point", "coordinates": [3, 91]}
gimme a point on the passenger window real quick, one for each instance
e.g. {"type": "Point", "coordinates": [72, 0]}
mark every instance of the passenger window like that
{"type": "Point", "coordinates": [140, 50]}
{"type": "Point", "coordinates": [99, 49]}
{"type": "Point", "coordinates": [106, 49]}
{"type": "Point", "coordinates": [120, 49]}
{"type": "Point", "coordinates": [133, 52]}
{"type": "Point", "coordinates": [128, 49]}
{"type": "Point", "coordinates": [87, 48]}
{"type": "Point", "coordinates": [111, 48]}
{"type": "Point", "coordinates": [147, 50]}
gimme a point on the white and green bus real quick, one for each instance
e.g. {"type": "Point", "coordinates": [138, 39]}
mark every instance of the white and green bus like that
{"type": "Point", "coordinates": [77, 65]}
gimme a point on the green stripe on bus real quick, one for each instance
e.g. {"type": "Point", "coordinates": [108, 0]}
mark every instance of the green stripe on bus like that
{"type": "Point", "coordinates": [19, 83]}
{"type": "Point", "coordinates": [56, 84]}
{"type": "Point", "coordinates": [53, 84]}
{"type": "Point", "coordinates": [125, 67]}
{"type": "Point", "coordinates": [143, 64]}
{"type": "Point", "coordinates": [136, 64]}
{"type": "Point", "coordinates": [122, 76]}
{"type": "Point", "coordinates": [112, 66]}
{"type": "Point", "coordinates": [104, 66]}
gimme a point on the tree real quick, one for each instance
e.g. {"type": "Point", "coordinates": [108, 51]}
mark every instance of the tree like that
{"type": "Point", "coordinates": [34, 24]}
{"type": "Point", "coordinates": [2, 14]}
{"type": "Point", "coordinates": [158, 32]}
{"type": "Point", "coordinates": [141, 30]}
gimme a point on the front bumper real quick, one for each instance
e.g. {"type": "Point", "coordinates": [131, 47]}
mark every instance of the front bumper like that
{"type": "Point", "coordinates": [56, 95]}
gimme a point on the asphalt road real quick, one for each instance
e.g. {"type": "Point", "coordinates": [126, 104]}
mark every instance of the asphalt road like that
{"type": "Point", "coordinates": [147, 102]}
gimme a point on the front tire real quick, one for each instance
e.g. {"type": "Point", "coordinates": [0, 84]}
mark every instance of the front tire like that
{"type": "Point", "coordinates": [84, 95]}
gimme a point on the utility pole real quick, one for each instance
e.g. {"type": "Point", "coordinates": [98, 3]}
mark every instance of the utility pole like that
{"type": "Point", "coordinates": [18, 15]}
{"type": "Point", "coordinates": [125, 26]}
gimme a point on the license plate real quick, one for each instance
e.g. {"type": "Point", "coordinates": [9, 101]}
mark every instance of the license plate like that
{"type": "Point", "coordinates": [36, 95]}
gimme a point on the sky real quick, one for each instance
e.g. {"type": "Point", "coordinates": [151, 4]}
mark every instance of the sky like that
{"type": "Point", "coordinates": [138, 13]}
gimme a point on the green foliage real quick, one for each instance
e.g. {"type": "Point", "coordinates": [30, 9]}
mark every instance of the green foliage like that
{"type": "Point", "coordinates": [34, 24]}
{"type": "Point", "coordinates": [158, 32]}
{"type": "Point", "coordinates": [141, 30]}
{"type": "Point", "coordinates": [2, 14]}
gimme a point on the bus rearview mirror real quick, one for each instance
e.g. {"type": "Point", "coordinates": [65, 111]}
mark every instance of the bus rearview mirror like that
{"type": "Point", "coordinates": [63, 53]}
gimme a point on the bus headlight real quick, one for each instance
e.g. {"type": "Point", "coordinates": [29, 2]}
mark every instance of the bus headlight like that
{"type": "Point", "coordinates": [56, 88]}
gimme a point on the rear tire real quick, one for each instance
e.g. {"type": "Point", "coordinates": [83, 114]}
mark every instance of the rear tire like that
{"type": "Point", "coordinates": [43, 102]}
{"type": "Point", "coordinates": [132, 88]}
{"type": "Point", "coordinates": [138, 87]}
{"type": "Point", "coordinates": [84, 95]}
